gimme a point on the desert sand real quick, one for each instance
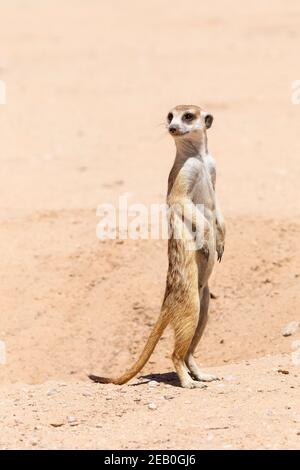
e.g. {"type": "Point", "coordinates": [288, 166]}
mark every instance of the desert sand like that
{"type": "Point", "coordinates": [88, 85]}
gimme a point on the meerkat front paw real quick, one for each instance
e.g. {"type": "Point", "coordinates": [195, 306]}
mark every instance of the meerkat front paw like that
{"type": "Point", "coordinates": [205, 251]}
{"type": "Point", "coordinates": [220, 250]}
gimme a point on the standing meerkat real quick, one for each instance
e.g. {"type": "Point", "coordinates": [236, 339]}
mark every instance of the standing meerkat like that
{"type": "Point", "coordinates": [196, 232]}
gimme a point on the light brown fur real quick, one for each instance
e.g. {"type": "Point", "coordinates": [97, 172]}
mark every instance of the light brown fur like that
{"type": "Point", "coordinates": [186, 300]}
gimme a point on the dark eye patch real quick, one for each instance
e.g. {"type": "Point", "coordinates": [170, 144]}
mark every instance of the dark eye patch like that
{"type": "Point", "coordinates": [188, 116]}
{"type": "Point", "coordinates": [170, 117]}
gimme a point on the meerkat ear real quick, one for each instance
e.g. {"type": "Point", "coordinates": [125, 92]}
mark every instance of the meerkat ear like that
{"type": "Point", "coordinates": [208, 119]}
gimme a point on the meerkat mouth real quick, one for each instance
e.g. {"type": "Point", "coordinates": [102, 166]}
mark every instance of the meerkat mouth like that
{"type": "Point", "coordinates": [178, 133]}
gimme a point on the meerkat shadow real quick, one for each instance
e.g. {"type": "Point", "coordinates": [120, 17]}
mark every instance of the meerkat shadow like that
{"type": "Point", "coordinates": [170, 378]}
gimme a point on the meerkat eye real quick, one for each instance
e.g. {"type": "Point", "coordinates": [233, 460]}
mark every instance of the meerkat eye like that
{"type": "Point", "coordinates": [188, 117]}
{"type": "Point", "coordinates": [170, 117]}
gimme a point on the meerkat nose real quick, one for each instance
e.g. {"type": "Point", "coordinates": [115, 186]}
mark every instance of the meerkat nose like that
{"type": "Point", "coordinates": [173, 129]}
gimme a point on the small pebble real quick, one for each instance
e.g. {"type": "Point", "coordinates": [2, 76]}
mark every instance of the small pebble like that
{"type": "Point", "coordinates": [290, 328]}
{"type": "Point", "coordinates": [71, 419]}
{"type": "Point", "coordinates": [153, 383]}
{"type": "Point", "coordinates": [227, 446]}
{"type": "Point", "coordinates": [152, 406]}
{"type": "Point", "coordinates": [296, 357]}
{"type": "Point", "coordinates": [295, 344]}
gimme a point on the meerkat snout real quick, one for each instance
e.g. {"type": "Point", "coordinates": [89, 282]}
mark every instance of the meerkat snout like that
{"type": "Point", "coordinates": [173, 129]}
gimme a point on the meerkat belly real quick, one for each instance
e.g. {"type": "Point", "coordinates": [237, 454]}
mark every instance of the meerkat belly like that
{"type": "Point", "coordinates": [186, 239]}
{"type": "Point", "coordinates": [203, 196]}
{"type": "Point", "coordinates": [202, 192]}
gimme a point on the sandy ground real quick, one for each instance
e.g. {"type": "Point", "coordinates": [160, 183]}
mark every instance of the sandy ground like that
{"type": "Point", "coordinates": [88, 86]}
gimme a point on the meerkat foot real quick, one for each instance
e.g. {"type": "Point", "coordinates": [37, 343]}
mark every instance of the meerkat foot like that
{"type": "Point", "coordinates": [186, 381]}
{"type": "Point", "coordinates": [203, 376]}
{"type": "Point", "coordinates": [192, 384]}
{"type": "Point", "coordinates": [197, 373]}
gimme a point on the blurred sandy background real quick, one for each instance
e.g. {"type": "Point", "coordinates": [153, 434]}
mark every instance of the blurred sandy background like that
{"type": "Point", "coordinates": [88, 86]}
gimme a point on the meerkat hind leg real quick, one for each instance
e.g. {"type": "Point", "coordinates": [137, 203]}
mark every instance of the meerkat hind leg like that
{"type": "Point", "coordinates": [190, 360]}
{"type": "Point", "coordinates": [186, 381]}
{"type": "Point", "coordinates": [184, 331]}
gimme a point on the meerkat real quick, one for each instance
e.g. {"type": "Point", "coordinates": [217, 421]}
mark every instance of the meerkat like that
{"type": "Point", "coordinates": [191, 184]}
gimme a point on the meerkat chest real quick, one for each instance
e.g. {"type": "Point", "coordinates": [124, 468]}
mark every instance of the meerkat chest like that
{"type": "Point", "coordinates": [199, 172]}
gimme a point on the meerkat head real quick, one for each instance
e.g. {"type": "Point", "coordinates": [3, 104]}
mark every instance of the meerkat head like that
{"type": "Point", "coordinates": [188, 121]}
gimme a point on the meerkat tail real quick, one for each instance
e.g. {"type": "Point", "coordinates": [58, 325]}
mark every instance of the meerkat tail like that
{"type": "Point", "coordinates": [152, 341]}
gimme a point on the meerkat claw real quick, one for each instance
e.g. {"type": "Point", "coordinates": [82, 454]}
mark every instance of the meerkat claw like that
{"type": "Point", "coordinates": [220, 251]}
{"type": "Point", "coordinates": [205, 251]}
